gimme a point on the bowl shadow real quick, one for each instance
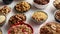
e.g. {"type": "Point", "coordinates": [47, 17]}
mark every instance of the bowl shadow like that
{"type": "Point", "coordinates": [52, 9]}
{"type": "Point", "coordinates": [31, 22]}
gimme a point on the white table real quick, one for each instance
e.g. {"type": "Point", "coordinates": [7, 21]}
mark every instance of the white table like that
{"type": "Point", "coordinates": [49, 10]}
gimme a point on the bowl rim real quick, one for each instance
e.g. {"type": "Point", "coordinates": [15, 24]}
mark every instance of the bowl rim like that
{"type": "Point", "coordinates": [20, 24]}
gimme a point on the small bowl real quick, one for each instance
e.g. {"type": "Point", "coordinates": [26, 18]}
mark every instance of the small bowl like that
{"type": "Point", "coordinates": [58, 20]}
{"type": "Point", "coordinates": [40, 6]}
{"type": "Point", "coordinates": [40, 22]}
{"type": "Point", "coordinates": [22, 11]}
{"type": "Point", "coordinates": [5, 10]}
{"type": "Point", "coordinates": [20, 24]}
{"type": "Point", "coordinates": [14, 19]}
{"type": "Point", "coordinates": [46, 25]}
{"type": "Point", "coordinates": [1, 24]}
{"type": "Point", "coordinates": [56, 4]}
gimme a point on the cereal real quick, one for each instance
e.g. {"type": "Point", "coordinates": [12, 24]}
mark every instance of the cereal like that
{"type": "Point", "coordinates": [39, 16]}
{"type": "Point", "coordinates": [57, 4]}
{"type": "Point", "coordinates": [22, 28]}
{"type": "Point", "coordinates": [2, 18]}
{"type": "Point", "coordinates": [22, 6]}
{"type": "Point", "coordinates": [50, 28]}
{"type": "Point", "coordinates": [42, 2]}
{"type": "Point", "coordinates": [5, 10]}
{"type": "Point", "coordinates": [18, 17]}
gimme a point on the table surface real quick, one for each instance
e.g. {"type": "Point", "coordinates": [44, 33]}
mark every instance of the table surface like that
{"type": "Point", "coordinates": [50, 9]}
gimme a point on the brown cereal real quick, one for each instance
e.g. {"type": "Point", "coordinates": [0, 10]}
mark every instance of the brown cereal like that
{"type": "Point", "coordinates": [42, 2]}
{"type": "Point", "coordinates": [50, 28]}
{"type": "Point", "coordinates": [57, 4]}
{"type": "Point", "coordinates": [18, 17]}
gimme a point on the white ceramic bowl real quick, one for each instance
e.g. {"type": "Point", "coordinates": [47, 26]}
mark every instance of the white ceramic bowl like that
{"type": "Point", "coordinates": [40, 6]}
{"type": "Point", "coordinates": [58, 20]}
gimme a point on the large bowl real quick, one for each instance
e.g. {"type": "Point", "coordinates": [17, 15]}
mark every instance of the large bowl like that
{"type": "Point", "coordinates": [20, 24]}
